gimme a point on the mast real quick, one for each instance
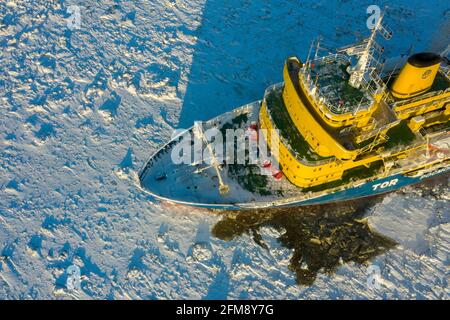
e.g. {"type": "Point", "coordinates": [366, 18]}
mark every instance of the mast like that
{"type": "Point", "coordinates": [365, 52]}
{"type": "Point", "coordinates": [317, 48]}
{"type": "Point", "coordinates": [308, 63]}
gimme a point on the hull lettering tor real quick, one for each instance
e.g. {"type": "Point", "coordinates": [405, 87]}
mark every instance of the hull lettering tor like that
{"type": "Point", "coordinates": [385, 185]}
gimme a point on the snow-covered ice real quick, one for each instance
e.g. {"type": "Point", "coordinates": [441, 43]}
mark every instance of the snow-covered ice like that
{"type": "Point", "coordinates": [81, 110]}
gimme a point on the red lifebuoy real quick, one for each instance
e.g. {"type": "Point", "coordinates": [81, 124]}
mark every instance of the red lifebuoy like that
{"type": "Point", "coordinates": [278, 175]}
{"type": "Point", "coordinates": [267, 164]}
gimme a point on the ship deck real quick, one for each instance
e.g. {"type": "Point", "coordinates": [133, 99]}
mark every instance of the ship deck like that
{"type": "Point", "coordinates": [198, 183]}
{"type": "Point", "coordinates": [330, 78]}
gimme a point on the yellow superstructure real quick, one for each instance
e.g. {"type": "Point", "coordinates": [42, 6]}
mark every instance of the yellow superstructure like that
{"type": "Point", "coordinates": [355, 138]}
{"type": "Point", "coordinates": [306, 119]}
{"type": "Point", "coordinates": [304, 174]}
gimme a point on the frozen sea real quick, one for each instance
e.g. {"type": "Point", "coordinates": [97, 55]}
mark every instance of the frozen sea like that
{"type": "Point", "coordinates": [84, 103]}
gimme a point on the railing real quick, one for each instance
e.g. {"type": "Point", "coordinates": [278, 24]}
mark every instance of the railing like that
{"type": "Point", "coordinates": [421, 143]}
{"type": "Point", "coordinates": [379, 139]}
{"type": "Point", "coordinates": [365, 135]}
{"type": "Point", "coordinates": [446, 71]}
{"type": "Point", "coordinates": [319, 95]}
{"type": "Point", "coordinates": [423, 106]}
{"type": "Point", "coordinates": [422, 97]}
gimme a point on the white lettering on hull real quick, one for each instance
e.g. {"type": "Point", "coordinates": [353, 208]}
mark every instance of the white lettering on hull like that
{"type": "Point", "coordinates": [385, 185]}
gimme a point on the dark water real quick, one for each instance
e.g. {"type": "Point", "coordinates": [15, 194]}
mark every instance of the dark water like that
{"type": "Point", "coordinates": [322, 237]}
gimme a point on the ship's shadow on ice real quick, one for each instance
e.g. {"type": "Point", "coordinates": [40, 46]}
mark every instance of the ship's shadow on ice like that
{"type": "Point", "coordinates": [322, 237]}
{"type": "Point", "coordinates": [241, 45]}
{"type": "Point", "coordinates": [241, 48]}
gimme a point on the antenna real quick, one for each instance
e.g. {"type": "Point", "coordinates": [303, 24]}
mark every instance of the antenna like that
{"type": "Point", "coordinates": [446, 51]}
{"type": "Point", "coordinates": [365, 52]}
{"type": "Point", "coordinates": [317, 48]}
{"type": "Point", "coordinates": [310, 50]}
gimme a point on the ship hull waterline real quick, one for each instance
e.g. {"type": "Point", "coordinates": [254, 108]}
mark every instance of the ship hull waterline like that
{"type": "Point", "coordinates": [337, 197]}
